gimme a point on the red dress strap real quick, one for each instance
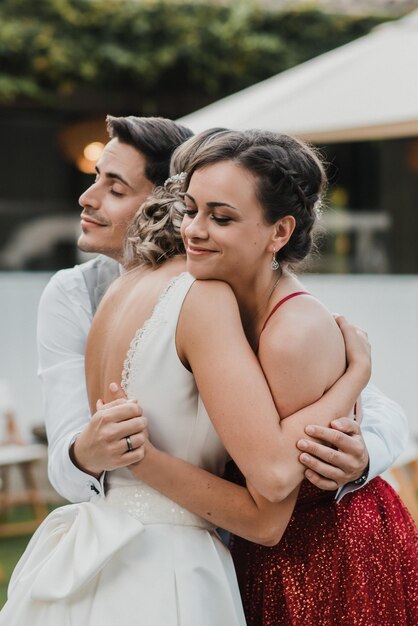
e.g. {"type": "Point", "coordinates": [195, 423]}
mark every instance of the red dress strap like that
{"type": "Point", "coordinates": [282, 301]}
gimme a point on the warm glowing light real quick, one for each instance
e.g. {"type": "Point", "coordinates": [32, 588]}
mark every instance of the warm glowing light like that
{"type": "Point", "coordinates": [93, 151]}
{"type": "Point", "coordinates": [84, 165]}
{"type": "Point", "coordinates": [82, 142]}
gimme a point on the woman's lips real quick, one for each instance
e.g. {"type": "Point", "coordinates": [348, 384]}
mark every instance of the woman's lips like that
{"type": "Point", "coordinates": [194, 251]}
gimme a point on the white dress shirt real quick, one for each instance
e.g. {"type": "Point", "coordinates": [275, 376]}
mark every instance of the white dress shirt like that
{"type": "Point", "coordinates": [64, 319]}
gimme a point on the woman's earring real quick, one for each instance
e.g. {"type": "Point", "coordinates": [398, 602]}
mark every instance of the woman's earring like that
{"type": "Point", "coordinates": [274, 262]}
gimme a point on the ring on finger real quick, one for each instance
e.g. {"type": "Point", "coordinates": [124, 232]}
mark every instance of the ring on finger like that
{"type": "Point", "coordinates": [129, 443]}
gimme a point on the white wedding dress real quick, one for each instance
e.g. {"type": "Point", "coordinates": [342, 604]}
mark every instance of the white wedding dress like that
{"type": "Point", "coordinates": [135, 558]}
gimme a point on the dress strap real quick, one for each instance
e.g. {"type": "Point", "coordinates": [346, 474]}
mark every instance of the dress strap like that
{"type": "Point", "coordinates": [282, 301]}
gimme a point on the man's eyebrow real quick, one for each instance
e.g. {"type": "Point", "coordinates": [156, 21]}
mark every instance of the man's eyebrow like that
{"type": "Point", "coordinates": [212, 205]}
{"type": "Point", "coordinates": [114, 175]}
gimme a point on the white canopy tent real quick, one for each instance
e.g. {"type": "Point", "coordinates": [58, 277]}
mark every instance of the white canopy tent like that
{"type": "Point", "coordinates": [367, 89]}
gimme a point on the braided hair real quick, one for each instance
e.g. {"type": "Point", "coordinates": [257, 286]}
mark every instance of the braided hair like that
{"type": "Point", "coordinates": [291, 181]}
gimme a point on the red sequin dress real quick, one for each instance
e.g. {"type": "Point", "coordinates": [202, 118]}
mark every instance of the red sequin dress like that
{"type": "Point", "coordinates": [347, 563]}
{"type": "Point", "coordinates": [352, 563]}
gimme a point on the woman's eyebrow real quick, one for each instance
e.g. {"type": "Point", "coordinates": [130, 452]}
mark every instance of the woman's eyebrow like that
{"type": "Point", "coordinates": [211, 205]}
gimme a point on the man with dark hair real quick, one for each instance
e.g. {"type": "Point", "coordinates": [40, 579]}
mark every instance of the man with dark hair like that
{"type": "Point", "coordinates": [154, 137]}
{"type": "Point", "coordinates": [134, 161]}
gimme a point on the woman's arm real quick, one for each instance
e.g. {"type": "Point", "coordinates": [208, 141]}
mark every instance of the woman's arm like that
{"type": "Point", "coordinates": [301, 356]}
{"type": "Point", "coordinates": [210, 339]}
{"type": "Point", "coordinates": [240, 510]}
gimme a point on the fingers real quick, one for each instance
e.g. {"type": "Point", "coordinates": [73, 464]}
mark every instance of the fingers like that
{"type": "Point", "coordinates": [341, 320]}
{"type": "Point", "coordinates": [115, 434]}
{"type": "Point", "coordinates": [340, 436]}
{"type": "Point", "coordinates": [356, 339]}
{"type": "Point", "coordinates": [346, 425]}
{"type": "Point", "coordinates": [135, 456]}
{"type": "Point", "coordinates": [118, 411]}
{"type": "Point", "coordinates": [117, 392]}
{"type": "Point", "coordinates": [345, 325]}
{"type": "Point", "coordinates": [349, 456]}
{"type": "Point", "coordinates": [337, 457]}
{"type": "Point", "coordinates": [350, 330]}
{"type": "Point", "coordinates": [320, 482]}
{"type": "Point", "coordinates": [323, 468]}
{"type": "Point", "coordinates": [137, 441]}
{"type": "Point", "coordinates": [104, 443]}
{"type": "Point", "coordinates": [135, 429]}
{"type": "Point", "coordinates": [131, 427]}
{"type": "Point", "coordinates": [117, 402]}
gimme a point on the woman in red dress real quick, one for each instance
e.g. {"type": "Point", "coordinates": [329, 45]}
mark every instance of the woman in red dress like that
{"type": "Point", "coordinates": [251, 203]}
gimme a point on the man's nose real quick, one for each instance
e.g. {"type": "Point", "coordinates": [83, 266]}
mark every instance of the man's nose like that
{"type": "Point", "coordinates": [90, 198]}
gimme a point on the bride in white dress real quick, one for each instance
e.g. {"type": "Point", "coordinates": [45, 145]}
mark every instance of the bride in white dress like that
{"type": "Point", "coordinates": [135, 557]}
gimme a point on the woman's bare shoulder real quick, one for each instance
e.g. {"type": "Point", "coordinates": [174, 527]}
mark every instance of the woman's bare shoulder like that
{"type": "Point", "coordinates": [302, 353]}
{"type": "Point", "coordinates": [299, 322]}
{"type": "Point", "coordinates": [206, 296]}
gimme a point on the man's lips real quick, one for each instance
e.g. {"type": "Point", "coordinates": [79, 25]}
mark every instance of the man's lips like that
{"type": "Point", "coordinates": [86, 220]}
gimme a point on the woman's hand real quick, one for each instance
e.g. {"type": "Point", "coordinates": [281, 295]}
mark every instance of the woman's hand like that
{"type": "Point", "coordinates": [357, 348]}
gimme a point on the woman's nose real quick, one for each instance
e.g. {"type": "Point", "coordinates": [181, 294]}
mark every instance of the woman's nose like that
{"type": "Point", "coordinates": [197, 228]}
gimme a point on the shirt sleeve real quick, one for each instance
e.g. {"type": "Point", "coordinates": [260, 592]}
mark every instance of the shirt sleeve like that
{"type": "Point", "coordinates": [385, 432]}
{"type": "Point", "coordinates": [64, 319]}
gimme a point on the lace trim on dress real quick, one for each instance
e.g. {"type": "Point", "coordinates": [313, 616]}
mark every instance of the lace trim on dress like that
{"type": "Point", "coordinates": [156, 319]}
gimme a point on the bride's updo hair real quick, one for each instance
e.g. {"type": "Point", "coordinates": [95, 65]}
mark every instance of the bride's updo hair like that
{"type": "Point", "coordinates": [289, 179]}
{"type": "Point", "coordinates": [154, 234]}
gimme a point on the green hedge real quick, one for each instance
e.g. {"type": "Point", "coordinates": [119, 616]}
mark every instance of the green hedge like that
{"type": "Point", "coordinates": [159, 52]}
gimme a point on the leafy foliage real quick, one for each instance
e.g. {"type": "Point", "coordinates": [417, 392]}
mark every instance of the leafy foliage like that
{"type": "Point", "coordinates": [163, 53]}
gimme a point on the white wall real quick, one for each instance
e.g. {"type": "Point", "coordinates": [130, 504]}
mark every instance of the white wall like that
{"type": "Point", "coordinates": [385, 306]}
{"type": "Point", "coordinates": [19, 297]}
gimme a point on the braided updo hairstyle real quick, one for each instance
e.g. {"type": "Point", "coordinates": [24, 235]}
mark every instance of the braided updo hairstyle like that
{"type": "Point", "coordinates": [154, 234]}
{"type": "Point", "coordinates": [289, 176]}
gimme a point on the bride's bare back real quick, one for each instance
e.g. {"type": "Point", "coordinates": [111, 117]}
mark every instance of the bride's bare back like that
{"type": "Point", "coordinates": [125, 308]}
